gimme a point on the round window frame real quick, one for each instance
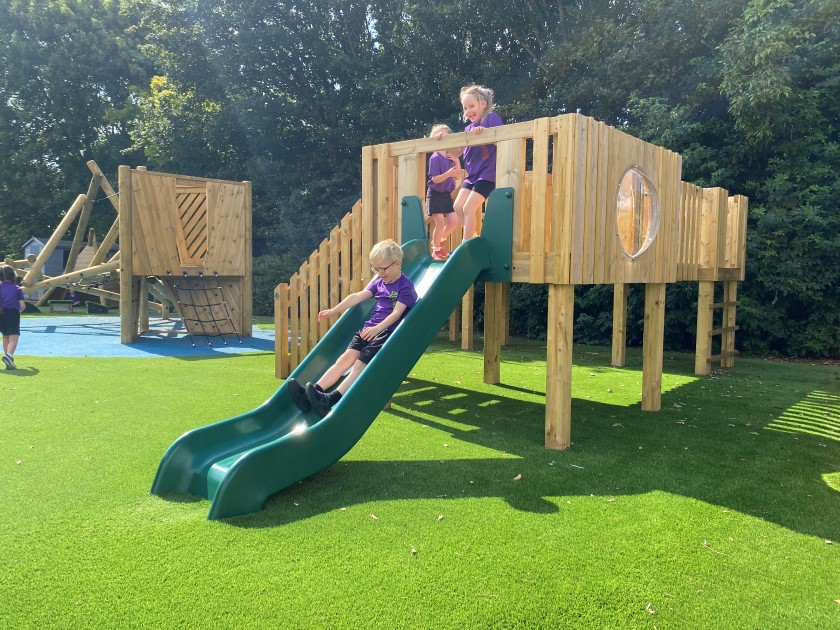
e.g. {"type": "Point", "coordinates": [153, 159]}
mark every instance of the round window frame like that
{"type": "Point", "coordinates": [656, 213]}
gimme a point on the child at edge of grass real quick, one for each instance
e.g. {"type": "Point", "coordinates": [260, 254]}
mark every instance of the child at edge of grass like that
{"type": "Point", "coordinates": [11, 306]}
{"type": "Point", "coordinates": [444, 170]}
{"type": "Point", "coordinates": [395, 295]}
{"type": "Point", "coordinates": [479, 161]}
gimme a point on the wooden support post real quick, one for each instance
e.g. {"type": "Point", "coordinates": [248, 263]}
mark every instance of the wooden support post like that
{"type": "Point", "coordinates": [142, 305]}
{"type": "Point", "coordinates": [558, 381]}
{"type": "Point", "coordinates": [455, 324]}
{"type": "Point", "coordinates": [128, 328]}
{"type": "Point", "coordinates": [652, 346]}
{"type": "Point", "coordinates": [703, 344]}
{"type": "Point", "coordinates": [727, 341]}
{"type": "Point", "coordinates": [493, 332]}
{"type": "Point", "coordinates": [467, 341]}
{"type": "Point", "coordinates": [619, 329]}
{"type": "Point", "coordinates": [505, 313]}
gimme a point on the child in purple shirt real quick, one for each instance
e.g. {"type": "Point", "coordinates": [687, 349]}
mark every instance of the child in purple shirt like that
{"type": "Point", "coordinates": [11, 305]}
{"type": "Point", "coordinates": [444, 169]}
{"type": "Point", "coordinates": [395, 295]}
{"type": "Point", "coordinates": [479, 161]}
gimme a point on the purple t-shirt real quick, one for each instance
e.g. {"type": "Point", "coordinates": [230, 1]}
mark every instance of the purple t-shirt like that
{"type": "Point", "coordinates": [10, 293]}
{"type": "Point", "coordinates": [387, 296]}
{"type": "Point", "coordinates": [480, 161]}
{"type": "Point", "coordinates": [438, 165]}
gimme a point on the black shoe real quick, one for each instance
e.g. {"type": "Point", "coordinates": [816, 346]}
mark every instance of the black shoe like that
{"type": "Point", "coordinates": [298, 394]}
{"type": "Point", "coordinates": [318, 399]}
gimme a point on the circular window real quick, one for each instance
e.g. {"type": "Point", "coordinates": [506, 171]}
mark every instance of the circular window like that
{"type": "Point", "coordinates": [637, 212]}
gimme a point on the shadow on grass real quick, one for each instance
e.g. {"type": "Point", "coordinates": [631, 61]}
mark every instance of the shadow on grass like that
{"type": "Point", "coordinates": [705, 444]}
{"type": "Point", "coordinates": [21, 371]}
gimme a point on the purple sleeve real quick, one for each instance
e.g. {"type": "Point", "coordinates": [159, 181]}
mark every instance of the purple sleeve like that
{"type": "Point", "coordinates": [407, 295]}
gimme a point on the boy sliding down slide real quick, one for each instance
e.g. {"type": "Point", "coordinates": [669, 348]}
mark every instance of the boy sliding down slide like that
{"type": "Point", "coordinates": [395, 295]}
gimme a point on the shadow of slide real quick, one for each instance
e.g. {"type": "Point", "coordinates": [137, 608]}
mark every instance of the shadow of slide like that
{"type": "Point", "coordinates": [696, 447]}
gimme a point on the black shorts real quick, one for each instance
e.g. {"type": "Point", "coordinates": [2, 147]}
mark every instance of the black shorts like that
{"type": "Point", "coordinates": [368, 349]}
{"type": "Point", "coordinates": [10, 322]}
{"type": "Point", "coordinates": [438, 202]}
{"type": "Point", "coordinates": [483, 187]}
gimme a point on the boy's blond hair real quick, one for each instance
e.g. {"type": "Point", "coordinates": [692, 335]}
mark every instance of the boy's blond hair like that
{"type": "Point", "coordinates": [440, 127]}
{"type": "Point", "coordinates": [482, 94]}
{"type": "Point", "coordinates": [386, 251]}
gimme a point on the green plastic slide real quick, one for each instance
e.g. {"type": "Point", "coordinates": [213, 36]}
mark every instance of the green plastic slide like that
{"type": "Point", "coordinates": [239, 462]}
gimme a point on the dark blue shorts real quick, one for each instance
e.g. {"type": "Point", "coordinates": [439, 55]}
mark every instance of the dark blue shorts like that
{"type": "Point", "coordinates": [438, 202]}
{"type": "Point", "coordinates": [368, 349]}
{"type": "Point", "coordinates": [483, 187]}
{"type": "Point", "coordinates": [10, 322]}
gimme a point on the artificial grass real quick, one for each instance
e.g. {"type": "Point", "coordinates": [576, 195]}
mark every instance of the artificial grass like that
{"type": "Point", "coordinates": [714, 512]}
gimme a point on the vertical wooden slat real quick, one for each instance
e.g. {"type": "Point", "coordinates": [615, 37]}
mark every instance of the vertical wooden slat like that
{"type": "Point", "coordinates": [561, 201]}
{"type": "Point", "coordinates": [366, 227]}
{"type": "Point", "coordinates": [578, 159]}
{"type": "Point", "coordinates": [743, 209]}
{"type": "Point", "coordinates": [345, 255]}
{"type": "Point", "coordinates": [493, 332]}
{"type": "Point", "coordinates": [539, 187]}
{"type": "Point", "coordinates": [589, 184]}
{"type": "Point", "coordinates": [303, 321]}
{"type": "Point", "coordinates": [703, 342]}
{"type": "Point", "coordinates": [334, 268]}
{"type": "Point", "coordinates": [282, 305]}
{"type": "Point", "coordinates": [323, 285]}
{"type": "Point", "coordinates": [652, 346]}
{"type": "Point", "coordinates": [384, 225]}
{"type": "Point", "coordinates": [314, 301]}
{"type": "Point", "coordinates": [361, 270]}
{"type": "Point", "coordinates": [619, 326]}
{"type": "Point", "coordinates": [558, 382]}
{"type": "Point", "coordinates": [602, 243]}
{"type": "Point", "coordinates": [246, 323]}
{"type": "Point", "coordinates": [294, 321]}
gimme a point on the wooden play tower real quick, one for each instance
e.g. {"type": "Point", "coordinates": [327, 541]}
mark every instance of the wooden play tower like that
{"type": "Point", "coordinates": [592, 205]}
{"type": "Point", "coordinates": [184, 240]}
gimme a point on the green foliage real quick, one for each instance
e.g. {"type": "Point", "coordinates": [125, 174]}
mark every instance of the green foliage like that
{"type": "Point", "coordinates": [286, 94]}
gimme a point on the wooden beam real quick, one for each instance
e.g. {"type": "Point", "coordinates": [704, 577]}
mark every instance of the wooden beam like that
{"type": "Point", "coordinates": [53, 241]}
{"type": "Point", "coordinates": [558, 384]}
{"type": "Point", "coordinates": [703, 342]}
{"type": "Point", "coordinates": [619, 325]}
{"type": "Point", "coordinates": [652, 346]}
{"type": "Point", "coordinates": [493, 332]}
{"type": "Point", "coordinates": [69, 278]}
{"type": "Point", "coordinates": [105, 184]}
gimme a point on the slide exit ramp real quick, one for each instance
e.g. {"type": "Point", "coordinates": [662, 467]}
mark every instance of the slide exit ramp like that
{"type": "Point", "coordinates": [239, 462]}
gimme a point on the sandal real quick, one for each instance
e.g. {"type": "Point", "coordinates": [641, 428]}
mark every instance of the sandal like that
{"type": "Point", "coordinates": [439, 253]}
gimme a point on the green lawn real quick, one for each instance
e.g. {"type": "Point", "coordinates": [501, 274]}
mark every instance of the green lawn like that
{"type": "Point", "coordinates": [720, 511]}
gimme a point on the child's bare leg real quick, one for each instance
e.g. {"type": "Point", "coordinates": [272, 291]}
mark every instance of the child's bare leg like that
{"type": "Point", "coordinates": [10, 347]}
{"type": "Point", "coordinates": [438, 231]}
{"type": "Point", "coordinates": [5, 344]}
{"type": "Point", "coordinates": [471, 209]}
{"type": "Point", "coordinates": [342, 364]}
{"type": "Point", "coordinates": [357, 368]}
{"type": "Point", "coordinates": [459, 203]}
{"type": "Point", "coordinates": [451, 222]}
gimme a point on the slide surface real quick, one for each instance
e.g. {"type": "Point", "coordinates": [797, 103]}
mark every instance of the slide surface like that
{"type": "Point", "coordinates": [239, 462]}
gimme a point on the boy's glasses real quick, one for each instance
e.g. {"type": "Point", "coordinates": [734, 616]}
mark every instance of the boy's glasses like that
{"type": "Point", "coordinates": [381, 270]}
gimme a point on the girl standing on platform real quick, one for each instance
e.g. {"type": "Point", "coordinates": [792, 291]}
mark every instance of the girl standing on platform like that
{"type": "Point", "coordinates": [479, 161]}
{"type": "Point", "coordinates": [444, 170]}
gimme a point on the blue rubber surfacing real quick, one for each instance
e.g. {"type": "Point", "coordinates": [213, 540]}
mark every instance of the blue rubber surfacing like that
{"type": "Point", "coordinates": [69, 336]}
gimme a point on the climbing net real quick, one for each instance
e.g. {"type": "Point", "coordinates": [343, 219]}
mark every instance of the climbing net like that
{"type": "Point", "coordinates": [194, 295]}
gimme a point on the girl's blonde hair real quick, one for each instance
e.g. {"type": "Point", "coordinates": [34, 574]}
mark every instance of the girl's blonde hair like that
{"type": "Point", "coordinates": [482, 94]}
{"type": "Point", "coordinates": [440, 127]}
{"type": "Point", "coordinates": [387, 251]}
